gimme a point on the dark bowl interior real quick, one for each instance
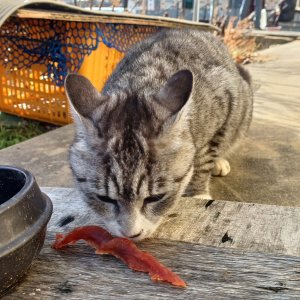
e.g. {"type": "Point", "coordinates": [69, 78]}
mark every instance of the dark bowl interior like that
{"type": "Point", "coordinates": [11, 183]}
{"type": "Point", "coordinates": [24, 214]}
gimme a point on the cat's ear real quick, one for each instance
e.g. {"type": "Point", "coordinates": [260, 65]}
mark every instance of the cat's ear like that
{"type": "Point", "coordinates": [176, 92]}
{"type": "Point", "coordinates": [83, 96]}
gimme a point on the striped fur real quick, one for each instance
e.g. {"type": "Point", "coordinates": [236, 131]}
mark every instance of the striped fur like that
{"type": "Point", "coordinates": [174, 105]}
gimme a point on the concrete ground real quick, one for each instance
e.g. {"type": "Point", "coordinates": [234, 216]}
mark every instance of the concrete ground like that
{"type": "Point", "coordinates": [266, 167]}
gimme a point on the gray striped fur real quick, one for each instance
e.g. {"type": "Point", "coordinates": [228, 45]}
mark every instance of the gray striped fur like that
{"type": "Point", "coordinates": [175, 105]}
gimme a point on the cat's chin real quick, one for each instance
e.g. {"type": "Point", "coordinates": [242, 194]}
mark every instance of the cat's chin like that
{"type": "Point", "coordinates": [144, 235]}
{"type": "Point", "coordinates": [117, 232]}
{"type": "Point", "coordinates": [140, 238]}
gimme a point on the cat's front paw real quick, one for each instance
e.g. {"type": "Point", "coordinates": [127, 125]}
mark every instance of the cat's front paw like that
{"type": "Point", "coordinates": [221, 168]}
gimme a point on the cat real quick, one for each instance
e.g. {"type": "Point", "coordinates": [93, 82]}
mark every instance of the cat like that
{"type": "Point", "coordinates": [175, 105]}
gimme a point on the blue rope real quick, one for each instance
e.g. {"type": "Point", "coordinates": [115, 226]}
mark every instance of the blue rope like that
{"type": "Point", "coordinates": [59, 55]}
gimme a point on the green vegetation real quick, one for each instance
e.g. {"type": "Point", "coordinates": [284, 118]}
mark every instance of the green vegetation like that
{"type": "Point", "coordinates": [16, 131]}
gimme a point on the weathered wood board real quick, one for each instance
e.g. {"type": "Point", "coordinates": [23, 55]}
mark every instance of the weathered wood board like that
{"type": "Point", "coordinates": [79, 15]}
{"type": "Point", "coordinates": [263, 228]}
{"type": "Point", "coordinates": [210, 272]}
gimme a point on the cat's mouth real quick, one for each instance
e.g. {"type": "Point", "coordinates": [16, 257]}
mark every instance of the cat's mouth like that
{"type": "Point", "coordinates": [134, 236]}
{"type": "Point", "coordinates": [142, 235]}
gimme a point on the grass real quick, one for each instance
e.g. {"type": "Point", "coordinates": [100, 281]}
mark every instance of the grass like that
{"type": "Point", "coordinates": [15, 132]}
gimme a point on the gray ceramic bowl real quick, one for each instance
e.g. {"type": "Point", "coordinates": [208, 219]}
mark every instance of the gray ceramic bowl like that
{"type": "Point", "coordinates": [24, 214]}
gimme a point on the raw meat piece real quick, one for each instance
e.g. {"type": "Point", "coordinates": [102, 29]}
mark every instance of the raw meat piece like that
{"type": "Point", "coordinates": [122, 248]}
{"type": "Point", "coordinates": [95, 236]}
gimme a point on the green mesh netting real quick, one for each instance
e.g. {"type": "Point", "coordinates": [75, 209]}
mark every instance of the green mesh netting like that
{"type": "Point", "coordinates": [62, 45]}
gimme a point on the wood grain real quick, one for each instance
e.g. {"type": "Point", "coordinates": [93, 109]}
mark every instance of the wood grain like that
{"type": "Point", "coordinates": [263, 228]}
{"type": "Point", "coordinates": [211, 273]}
{"type": "Point", "coordinates": [106, 17]}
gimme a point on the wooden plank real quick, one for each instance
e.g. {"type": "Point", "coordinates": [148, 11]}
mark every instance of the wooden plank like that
{"type": "Point", "coordinates": [46, 7]}
{"type": "Point", "coordinates": [211, 273]}
{"type": "Point", "coordinates": [280, 33]}
{"type": "Point", "coordinates": [106, 17]}
{"type": "Point", "coordinates": [263, 228]}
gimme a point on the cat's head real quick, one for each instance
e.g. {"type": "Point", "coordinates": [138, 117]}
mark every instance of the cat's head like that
{"type": "Point", "coordinates": [132, 156]}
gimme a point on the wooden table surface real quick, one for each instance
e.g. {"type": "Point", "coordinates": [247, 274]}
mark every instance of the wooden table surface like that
{"type": "Point", "coordinates": [223, 250]}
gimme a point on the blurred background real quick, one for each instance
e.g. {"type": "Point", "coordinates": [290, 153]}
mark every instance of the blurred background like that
{"type": "Point", "coordinates": [201, 10]}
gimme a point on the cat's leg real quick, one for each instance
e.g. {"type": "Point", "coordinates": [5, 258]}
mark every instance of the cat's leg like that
{"type": "Point", "coordinates": [221, 167]}
{"type": "Point", "coordinates": [219, 146]}
{"type": "Point", "coordinates": [199, 184]}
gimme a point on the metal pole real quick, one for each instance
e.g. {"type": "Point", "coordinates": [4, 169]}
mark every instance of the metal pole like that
{"type": "Point", "coordinates": [198, 9]}
{"type": "Point", "coordinates": [100, 4]}
{"type": "Point", "coordinates": [91, 4]}
{"type": "Point", "coordinates": [125, 5]}
{"type": "Point", "coordinates": [232, 8]}
{"type": "Point", "coordinates": [144, 7]}
{"type": "Point", "coordinates": [195, 9]}
{"type": "Point", "coordinates": [258, 8]}
{"type": "Point", "coordinates": [211, 10]}
{"type": "Point", "coordinates": [244, 9]}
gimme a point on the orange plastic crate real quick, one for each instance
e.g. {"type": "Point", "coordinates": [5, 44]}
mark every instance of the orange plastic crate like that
{"type": "Point", "coordinates": [98, 66]}
{"type": "Point", "coordinates": [30, 93]}
{"type": "Point", "coordinates": [27, 93]}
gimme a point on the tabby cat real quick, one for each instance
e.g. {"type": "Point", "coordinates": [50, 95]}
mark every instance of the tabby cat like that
{"type": "Point", "coordinates": [173, 108]}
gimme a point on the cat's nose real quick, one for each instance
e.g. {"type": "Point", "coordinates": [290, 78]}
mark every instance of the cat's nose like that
{"type": "Point", "coordinates": [133, 236]}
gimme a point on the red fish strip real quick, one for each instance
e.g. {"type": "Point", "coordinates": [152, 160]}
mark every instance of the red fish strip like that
{"type": "Point", "coordinates": [122, 248]}
{"type": "Point", "coordinates": [95, 236]}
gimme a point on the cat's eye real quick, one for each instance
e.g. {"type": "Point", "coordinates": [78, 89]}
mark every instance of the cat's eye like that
{"type": "Point", "coordinates": [107, 200]}
{"type": "Point", "coordinates": [154, 198]}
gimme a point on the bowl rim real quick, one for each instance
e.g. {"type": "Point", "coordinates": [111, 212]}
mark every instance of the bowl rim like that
{"type": "Point", "coordinates": [30, 232]}
{"type": "Point", "coordinates": [37, 226]}
{"type": "Point", "coordinates": [29, 180]}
